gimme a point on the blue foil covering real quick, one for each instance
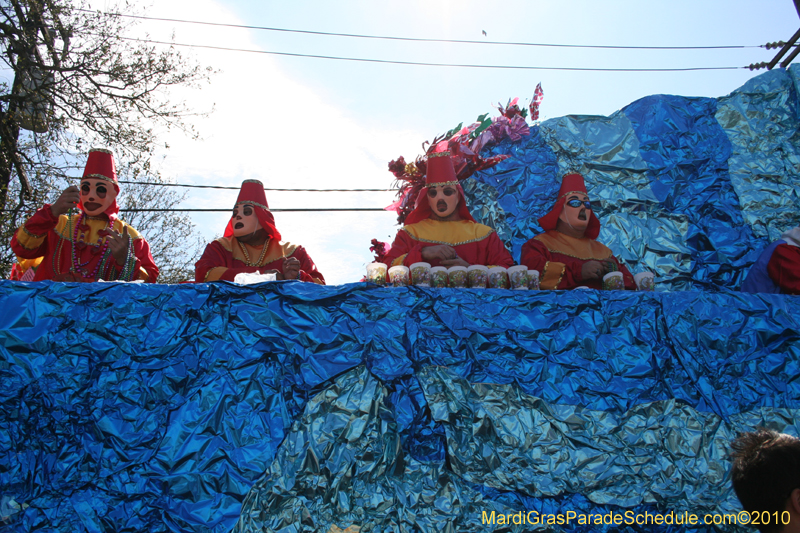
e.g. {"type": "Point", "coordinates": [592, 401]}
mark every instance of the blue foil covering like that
{"type": "Point", "coordinates": [691, 189]}
{"type": "Point", "coordinates": [209, 407]}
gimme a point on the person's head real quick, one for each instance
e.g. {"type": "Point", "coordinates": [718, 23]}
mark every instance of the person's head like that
{"type": "Point", "coordinates": [572, 213]}
{"type": "Point", "coordinates": [442, 187]}
{"type": "Point", "coordinates": [576, 211]}
{"type": "Point", "coordinates": [766, 475]}
{"type": "Point", "coordinates": [443, 201]}
{"type": "Point", "coordinates": [99, 186]}
{"type": "Point", "coordinates": [251, 218]}
{"type": "Point", "coordinates": [97, 196]}
{"type": "Point", "coordinates": [244, 220]}
{"type": "Point", "coordinates": [442, 198]}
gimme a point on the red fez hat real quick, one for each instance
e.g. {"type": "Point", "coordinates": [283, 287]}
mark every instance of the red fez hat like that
{"type": "Point", "coordinates": [440, 171]}
{"type": "Point", "coordinates": [100, 165]}
{"type": "Point", "coordinates": [570, 184]}
{"type": "Point", "coordinates": [252, 193]}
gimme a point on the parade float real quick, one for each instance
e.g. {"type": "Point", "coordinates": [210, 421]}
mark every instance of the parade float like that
{"type": "Point", "coordinates": [289, 406]}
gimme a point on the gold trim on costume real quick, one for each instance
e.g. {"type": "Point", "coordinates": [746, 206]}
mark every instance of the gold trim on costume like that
{"type": "Point", "coordinates": [572, 192]}
{"type": "Point", "coordinates": [581, 258]}
{"type": "Point", "coordinates": [441, 183]}
{"type": "Point", "coordinates": [27, 245]}
{"type": "Point", "coordinates": [439, 154]}
{"type": "Point", "coordinates": [556, 242]}
{"type": "Point", "coordinates": [99, 177]}
{"type": "Point", "coordinates": [243, 202]}
{"type": "Point", "coordinates": [33, 235]}
{"type": "Point", "coordinates": [547, 277]}
{"type": "Point", "coordinates": [288, 249]}
{"type": "Point", "coordinates": [217, 274]}
{"type": "Point", "coordinates": [399, 261]}
{"type": "Point", "coordinates": [420, 239]}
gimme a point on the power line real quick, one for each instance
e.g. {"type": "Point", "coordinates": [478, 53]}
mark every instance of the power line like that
{"type": "Point", "coordinates": [237, 188]}
{"type": "Point", "coordinates": [333, 209]}
{"type": "Point", "coordinates": [415, 63]}
{"type": "Point", "coordinates": [426, 40]}
{"type": "Point", "coordinates": [287, 210]}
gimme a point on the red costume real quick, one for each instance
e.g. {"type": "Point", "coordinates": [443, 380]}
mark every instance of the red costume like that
{"type": "Point", "coordinates": [71, 246]}
{"type": "Point", "coordinates": [784, 268]}
{"type": "Point", "coordinates": [559, 258]}
{"type": "Point", "coordinates": [777, 270]}
{"type": "Point", "coordinates": [226, 257]}
{"type": "Point", "coordinates": [475, 243]}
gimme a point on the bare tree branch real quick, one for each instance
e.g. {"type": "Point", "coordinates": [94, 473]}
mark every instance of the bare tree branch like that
{"type": "Point", "coordinates": [78, 74]}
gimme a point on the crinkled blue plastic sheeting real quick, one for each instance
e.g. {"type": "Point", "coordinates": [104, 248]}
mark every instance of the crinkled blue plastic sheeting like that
{"type": "Point", "coordinates": [159, 408]}
{"type": "Point", "coordinates": [691, 189]}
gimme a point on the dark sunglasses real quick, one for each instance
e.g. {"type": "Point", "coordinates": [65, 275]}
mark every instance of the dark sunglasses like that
{"type": "Point", "coordinates": [577, 203]}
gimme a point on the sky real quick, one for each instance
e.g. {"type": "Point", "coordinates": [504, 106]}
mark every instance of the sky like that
{"type": "Point", "coordinates": [295, 122]}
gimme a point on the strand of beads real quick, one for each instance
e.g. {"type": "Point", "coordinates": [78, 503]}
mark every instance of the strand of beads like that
{"type": "Point", "coordinates": [103, 265]}
{"type": "Point", "coordinates": [60, 245]}
{"type": "Point", "coordinates": [247, 255]}
{"type": "Point", "coordinates": [78, 267]}
{"type": "Point", "coordinates": [128, 270]}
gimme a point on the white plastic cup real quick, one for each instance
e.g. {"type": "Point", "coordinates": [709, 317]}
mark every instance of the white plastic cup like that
{"type": "Point", "coordinates": [439, 277]}
{"type": "Point", "coordinates": [518, 277]}
{"type": "Point", "coordinates": [376, 273]}
{"type": "Point", "coordinates": [477, 276]}
{"type": "Point", "coordinates": [613, 281]}
{"type": "Point", "coordinates": [457, 277]}
{"type": "Point", "coordinates": [421, 274]}
{"type": "Point", "coordinates": [645, 281]}
{"type": "Point", "coordinates": [533, 280]}
{"type": "Point", "coordinates": [498, 278]}
{"type": "Point", "coordinates": [399, 277]}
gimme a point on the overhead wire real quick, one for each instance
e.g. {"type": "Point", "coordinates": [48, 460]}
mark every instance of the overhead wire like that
{"type": "Point", "coordinates": [224, 187]}
{"type": "Point", "coordinates": [428, 40]}
{"type": "Point", "coordinates": [278, 210]}
{"type": "Point", "coordinates": [384, 61]}
{"type": "Point", "coordinates": [426, 64]}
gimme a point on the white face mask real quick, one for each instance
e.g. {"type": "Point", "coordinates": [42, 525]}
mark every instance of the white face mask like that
{"type": "Point", "coordinates": [96, 196]}
{"type": "Point", "coordinates": [244, 220]}
{"type": "Point", "coordinates": [443, 200]}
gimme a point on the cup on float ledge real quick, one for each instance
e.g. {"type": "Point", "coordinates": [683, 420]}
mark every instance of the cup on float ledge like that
{"type": "Point", "coordinates": [613, 281]}
{"type": "Point", "coordinates": [477, 276]}
{"type": "Point", "coordinates": [518, 277]}
{"type": "Point", "coordinates": [645, 281]}
{"type": "Point", "coordinates": [533, 280]}
{"type": "Point", "coordinates": [457, 277]}
{"type": "Point", "coordinates": [398, 275]}
{"type": "Point", "coordinates": [439, 277]}
{"type": "Point", "coordinates": [498, 278]}
{"type": "Point", "coordinates": [421, 274]}
{"type": "Point", "coordinates": [376, 273]}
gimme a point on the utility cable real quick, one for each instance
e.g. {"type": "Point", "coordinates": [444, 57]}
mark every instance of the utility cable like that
{"type": "Point", "coordinates": [415, 63]}
{"type": "Point", "coordinates": [237, 188]}
{"type": "Point", "coordinates": [288, 210]}
{"type": "Point", "coordinates": [426, 40]}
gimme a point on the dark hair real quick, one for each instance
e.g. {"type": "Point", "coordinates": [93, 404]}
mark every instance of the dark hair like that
{"type": "Point", "coordinates": [766, 469]}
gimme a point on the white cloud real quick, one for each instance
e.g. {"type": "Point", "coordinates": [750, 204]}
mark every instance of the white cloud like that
{"type": "Point", "coordinates": [268, 126]}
